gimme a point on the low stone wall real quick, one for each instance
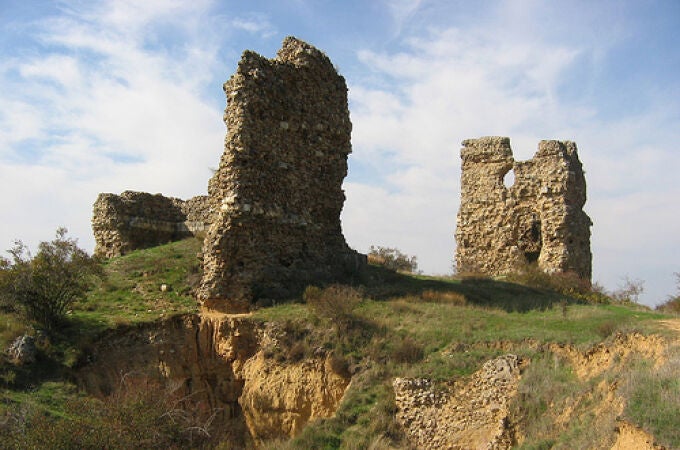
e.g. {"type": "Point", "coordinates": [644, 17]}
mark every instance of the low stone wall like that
{"type": "Point", "coordinates": [133, 220]}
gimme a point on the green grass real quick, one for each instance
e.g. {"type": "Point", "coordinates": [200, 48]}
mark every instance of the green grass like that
{"type": "Point", "coordinates": [131, 290]}
{"type": "Point", "coordinates": [456, 339]}
{"type": "Point", "coordinates": [654, 398]}
{"type": "Point", "coordinates": [404, 325]}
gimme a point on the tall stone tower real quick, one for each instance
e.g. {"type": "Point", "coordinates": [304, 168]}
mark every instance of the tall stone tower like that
{"type": "Point", "coordinates": [277, 195]}
{"type": "Point", "coordinates": [538, 219]}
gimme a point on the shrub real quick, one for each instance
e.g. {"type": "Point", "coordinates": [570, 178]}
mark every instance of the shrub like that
{"type": "Point", "coordinates": [606, 329]}
{"type": "Point", "coordinates": [408, 351]}
{"type": "Point", "coordinates": [134, 417]}
{"type": "Point", "coordinates": [392, 258]}
{"type": "Point", "coordinates": [45, 286]}
{"type": "Point", "coordinates": [629, 292]}
{"type": "Point", "coordinates": [448, 297]}
{"type": "Point", "coordinates": [336, 303]}
{"type": "Point", "coordinates": [567, 283]}
{"type": "Point", "coordinates": [339, 364]}
{"type": "Point", "coordinates": [672, 305]}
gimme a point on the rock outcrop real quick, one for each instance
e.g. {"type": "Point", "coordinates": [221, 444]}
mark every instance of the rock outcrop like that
{"type": "Point", "coordinates": [539, 219]}
{"type": "Point", "coordinates": [22, 350]}
{"type": "Point", "coordinates": [134, 220]}
{"type": "Point", "coordinates": [277, 194]}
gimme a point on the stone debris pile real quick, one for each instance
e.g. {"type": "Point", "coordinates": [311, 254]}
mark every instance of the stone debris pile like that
{"type": "Point", "coordinates": [467, 414]}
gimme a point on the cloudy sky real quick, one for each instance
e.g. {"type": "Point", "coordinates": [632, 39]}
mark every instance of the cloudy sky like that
{"type": "Point", "coordinates": [104, 96]}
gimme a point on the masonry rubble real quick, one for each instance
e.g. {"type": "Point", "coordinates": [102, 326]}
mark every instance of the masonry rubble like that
{"type": "Point", "coordinates": [471, 413]}
{"type": "Point", "coordinates": [538, 219]}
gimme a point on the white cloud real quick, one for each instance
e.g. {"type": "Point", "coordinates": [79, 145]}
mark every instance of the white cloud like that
{"type": "Point", "coordinates": [447, 85]}
{"type": "Point", "coordinates": [254, 23]}
{"type": "Point", "coordinates": [105, 111]}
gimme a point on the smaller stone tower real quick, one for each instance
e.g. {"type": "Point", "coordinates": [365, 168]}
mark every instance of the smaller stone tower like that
{"type": "Point", "coordinates": [538, 219]}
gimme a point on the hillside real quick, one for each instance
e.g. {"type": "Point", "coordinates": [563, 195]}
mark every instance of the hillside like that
{"type": "Point", "coordinates": [396, 361]}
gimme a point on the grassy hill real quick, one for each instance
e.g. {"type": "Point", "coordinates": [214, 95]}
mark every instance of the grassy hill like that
{"type": "Point", "coordinates": [388, 325]}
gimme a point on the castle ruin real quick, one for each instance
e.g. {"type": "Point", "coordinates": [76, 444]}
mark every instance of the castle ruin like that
{"type": "Point", "coordinates": [538, 219]}
{"type": "Point", "coordinates": [272, 217]}
{"type": "Point", "coordinates": [277, 194]}
{"type": "Point", "coordinates": [134, 220]}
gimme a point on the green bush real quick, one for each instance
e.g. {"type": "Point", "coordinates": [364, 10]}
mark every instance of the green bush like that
{"type": "Point", "coordinates": [45, 286]}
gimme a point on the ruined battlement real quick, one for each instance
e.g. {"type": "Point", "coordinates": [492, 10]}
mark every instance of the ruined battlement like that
{"type": "Point", "coordinates": [278, 191]}
{"type": "Point", "coordinates": [537, 219]}
{"type": "Point", "coordinates": [133, 220]}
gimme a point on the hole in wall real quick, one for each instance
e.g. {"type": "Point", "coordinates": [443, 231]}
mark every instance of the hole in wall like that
{"type": "Point", "coordinates": [532, 257]}
{"type": "Point", "coordinates": [531, 242]}
{"type": "Point", "coordinates": [509, 178]}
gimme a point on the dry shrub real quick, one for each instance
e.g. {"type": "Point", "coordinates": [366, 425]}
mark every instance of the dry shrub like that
{"type": "Point", "coordinates": [335, 303]}
{"type": "Point", "coordinates": [606, 329]}
{"type": "Point", "coordinates": [139, 415]}
{"type": "Point", "coordinates": [448, 297]}
{"type": "Point", "coordinates": [339, 364]}
{"type": "Point", "coordinates": [671, 306]}
{"type": "Point", "coordinates": [629, 292]}
{"type": "Point", "coordinates": [297, 351]}
{"type": "Point", "coordinates": [408, 351]}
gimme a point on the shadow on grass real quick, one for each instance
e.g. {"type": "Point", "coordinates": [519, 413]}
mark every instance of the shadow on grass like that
{"type": "Point", "coordinates": [383, 284]}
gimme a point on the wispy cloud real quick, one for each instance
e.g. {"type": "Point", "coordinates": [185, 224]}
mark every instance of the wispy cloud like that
{"type": "Point", "coordinates": [108, 108]}
{"type": "Point", "coordinates": [452, 83]}
{"type": "Point", "coordinates": [256, 24]}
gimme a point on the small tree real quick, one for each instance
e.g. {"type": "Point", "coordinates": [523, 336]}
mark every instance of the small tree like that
{"type": "Point", "coordinates": [672, 304]}
{"type": "Point", "coordinates": [392, 258]}
{"type": "Point", "coordinates": [630, 291]}
{"type": "Point", "coordinates": [45, 286]}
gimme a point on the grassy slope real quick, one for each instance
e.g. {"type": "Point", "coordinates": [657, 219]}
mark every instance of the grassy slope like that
{"type": "Point", "coordinates": [404, 326]}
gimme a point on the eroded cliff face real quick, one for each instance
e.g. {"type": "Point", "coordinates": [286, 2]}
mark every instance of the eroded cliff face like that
{"type": "Point", "coordinates": [477, 411]}
{"type": "Point", "coordinates": [215, 365]}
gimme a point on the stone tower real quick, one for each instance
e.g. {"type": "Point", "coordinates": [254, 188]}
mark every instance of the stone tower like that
{"type": "Point", "coordinates": [277, 195]}
{"type": "Point", "coordinates": [539, 219]}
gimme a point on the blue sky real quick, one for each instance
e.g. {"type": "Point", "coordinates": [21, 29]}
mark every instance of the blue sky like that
{"type": "Point", "coordinates": [104, 96]}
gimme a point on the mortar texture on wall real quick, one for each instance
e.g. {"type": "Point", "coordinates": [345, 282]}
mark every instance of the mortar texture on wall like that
{"type": "Point", "coordinates": [133, 220]}
{"type": "Point", "coordinates": [538, 219]}
{"type": "Point", "coordinates": [277, 194]}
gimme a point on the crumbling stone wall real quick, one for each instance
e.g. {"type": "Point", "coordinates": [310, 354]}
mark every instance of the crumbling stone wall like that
{"type": "Point", "coordinates": [277, 194]}
{"type": "Point", "coordinates": [133, 220]}
{"type": "Point", "coordinates": [538, 219]}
